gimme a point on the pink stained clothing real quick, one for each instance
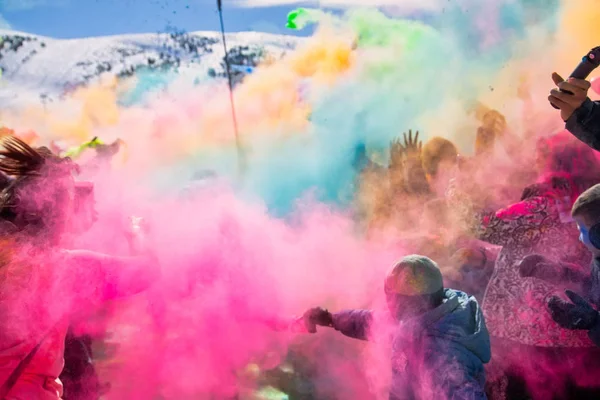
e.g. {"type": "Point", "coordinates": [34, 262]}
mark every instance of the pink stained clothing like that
{"type": "Point", "coordinates": [38, 294]}
{"type": "Point", "coordinates": [40, 380]}
{"type": "Point", "coordinates": [515, 308]}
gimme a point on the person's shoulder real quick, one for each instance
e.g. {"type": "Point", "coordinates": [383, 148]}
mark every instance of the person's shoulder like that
{"type": "Point", "coordinates": [462, 297]}
{"type": "Point", "coordinates": [464, 306]}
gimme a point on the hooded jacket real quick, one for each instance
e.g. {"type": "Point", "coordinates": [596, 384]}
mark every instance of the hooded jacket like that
{"type": "Point", "coordinates": [436, 355]}
{"type": "Point", "coordinates": [584, 124]}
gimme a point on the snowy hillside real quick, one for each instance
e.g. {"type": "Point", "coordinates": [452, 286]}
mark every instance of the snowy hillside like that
{"type": "Point", "coordinates": [41, 69]}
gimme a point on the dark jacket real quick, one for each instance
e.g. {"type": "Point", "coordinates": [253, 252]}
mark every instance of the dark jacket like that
{"type": "Point", "coordinates": [437, 355]}
{"type": "Point", "coordinates": [593, 295]}
{"type": "Point", "coordinates": [584, 124]}
{"type": "Point", "coordinates": [79, 376]}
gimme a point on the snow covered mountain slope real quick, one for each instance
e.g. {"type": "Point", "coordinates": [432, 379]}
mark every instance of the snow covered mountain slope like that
{"type": "Point", "coordinates": [40, 69]}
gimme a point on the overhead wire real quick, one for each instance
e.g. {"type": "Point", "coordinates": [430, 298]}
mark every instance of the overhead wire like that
{"type": "Point", "coordinates": [238, 142]}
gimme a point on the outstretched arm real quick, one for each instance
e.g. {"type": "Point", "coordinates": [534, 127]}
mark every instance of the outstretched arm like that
{"type": "Point", "coordinates": [557, 273]}
{"type": "Point", "coordinates": [353, 323]}
{"type": "Point", "coordinates": [100, 277]}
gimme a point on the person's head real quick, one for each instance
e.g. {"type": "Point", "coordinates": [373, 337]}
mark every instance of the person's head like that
{"type": "Point", "coordinates": [586, 212]}
{"type": "Point", "coordinates": [440, 159]}
{"type": "Point", "coordinates": [495, 121]}
{"type": "Point", "coordinates": [37, 197]}
{"type": "Point", "coordinates": [413, 286]}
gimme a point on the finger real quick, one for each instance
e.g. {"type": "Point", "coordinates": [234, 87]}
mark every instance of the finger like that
{"type": "Point", "coordinates": [416, 137]}
{"type": "Point", "coordinates": [580, 83]}
{"type": "Point", "coordinates": [577, 299]}
{"type": "Point", "coordinates": [405, 142]}
{"type": "Point", "coordinates": [557, 78]}
{"type": "Point", "coordinates": [410, 136]}
{"type": "Point", "coordinates": [569, 87]}
{"type": "Point", "coordinates": [566, 97]}
{"type": "Point", "coordinates": [557, 101]}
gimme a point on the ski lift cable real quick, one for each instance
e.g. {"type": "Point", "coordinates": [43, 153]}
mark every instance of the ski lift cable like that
{"type": "Point", "coordinates": [238, 143]}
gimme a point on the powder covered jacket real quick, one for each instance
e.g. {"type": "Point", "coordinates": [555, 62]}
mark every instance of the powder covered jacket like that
{"type": "Point", "coordinates": [513, 305]}
{"type": "Point", "coordinates": [584, 124]}
{"type": "Point", "coordinates": [437, 355]}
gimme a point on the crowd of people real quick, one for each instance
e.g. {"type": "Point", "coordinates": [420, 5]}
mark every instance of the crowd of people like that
{"type": "Point", "coordinates": [500, 299]}
{"type": "Point", "coordinates": [512, 259]}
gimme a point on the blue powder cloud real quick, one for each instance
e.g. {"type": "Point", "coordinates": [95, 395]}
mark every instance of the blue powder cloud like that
{"type": "Point", "coordinates": [385, 97]}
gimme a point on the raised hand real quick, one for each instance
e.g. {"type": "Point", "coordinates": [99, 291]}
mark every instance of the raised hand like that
{"type": "Point", "coordinates": [569, 95]}
{"type": "Point", "coordinates": [406, 170]}
{"type": "Point", "coordinates": [409, 147]}
{"type": "Point", "coordinates": [412, 146]}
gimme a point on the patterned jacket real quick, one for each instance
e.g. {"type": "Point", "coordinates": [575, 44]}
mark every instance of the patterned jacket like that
{"type": "Point", "coordinates": [514, 306]}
